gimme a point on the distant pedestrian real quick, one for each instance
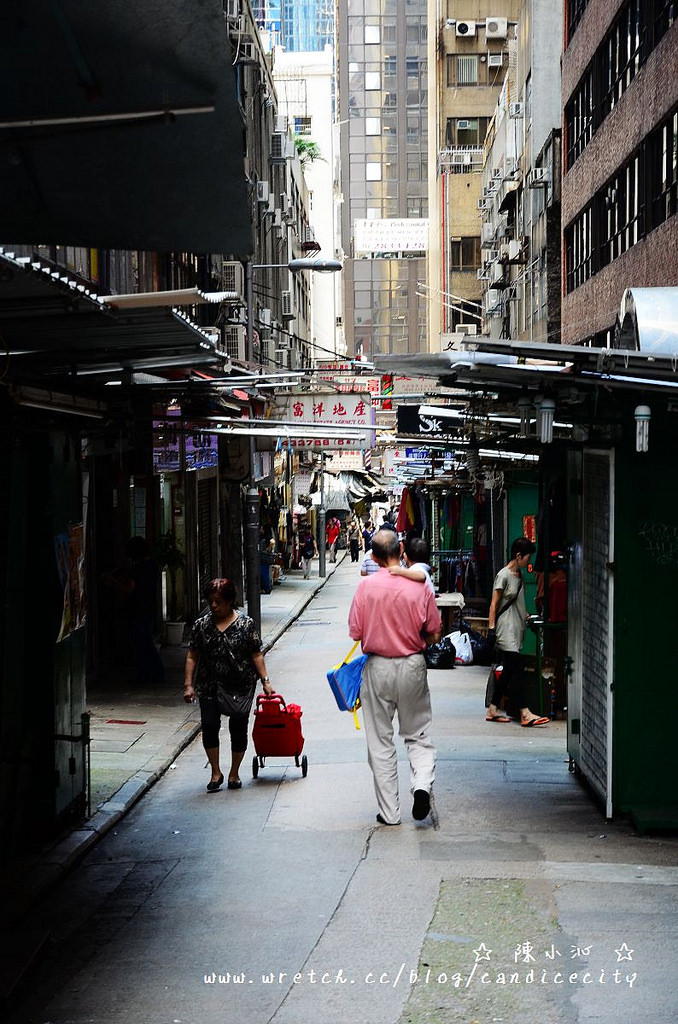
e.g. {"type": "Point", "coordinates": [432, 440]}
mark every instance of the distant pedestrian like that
{"type": "Point", "coordinates": [506, 627]}
{"type": "Point", "coordinates": [223, 665]}
{"type": "Point", "coordinates": [395, 619]}
{"type": "Point", "coordinates": [308, 552]}
{"type": "Point", "coordinates": [368, 530]}
{"type": "Point", "coordinates": [333, 536]}
{"type": "Point", "coordinates": [368, 565]}
{"type": "Point", "coordinates": [353, 535]}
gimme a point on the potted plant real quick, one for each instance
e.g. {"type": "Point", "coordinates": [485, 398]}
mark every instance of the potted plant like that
{"type": "Point", "coordinates": [172, 558]}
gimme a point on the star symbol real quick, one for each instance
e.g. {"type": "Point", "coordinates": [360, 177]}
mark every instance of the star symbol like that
{"type": "Point", "coordinates": [482, 952]}
{"type": "Point", "coordinates": [623, 953]}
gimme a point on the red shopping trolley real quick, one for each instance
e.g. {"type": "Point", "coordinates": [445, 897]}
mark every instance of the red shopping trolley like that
{"type": "Point", "coordinates": [277, 732]}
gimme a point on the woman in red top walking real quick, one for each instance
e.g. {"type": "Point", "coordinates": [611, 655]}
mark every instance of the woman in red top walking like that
{"type": "Point", "coordinates": [333, 535]}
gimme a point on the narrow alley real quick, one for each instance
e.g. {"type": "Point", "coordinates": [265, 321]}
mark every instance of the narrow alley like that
{"type": "Point", "coordinates": [285, 903]}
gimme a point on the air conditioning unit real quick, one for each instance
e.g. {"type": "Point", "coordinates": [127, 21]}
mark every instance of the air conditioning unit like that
{"type": "Point", "coordinates": [265, 318]}
{"type": "Point", "coordinates": [458, 158]}
{"type": "Point", "coordinates": [232, 9]}
{"type": "Point", "coordinates": [463, 126]}
{"type": "Point", "coordinates": [278, 147]}
{"type": "Point", "coordinates": [281, 123]}
{"type": "Point", "coordinates": [286, 306]}
{"type": "Point", "coordinates": [492, 255]}
{"type": "Point", "coordinates": [496, 273]}
{"type": "Point", "coordinates": [468, 329]}
{"type": "Point", "coordinates": [514, 249]}
{"type": "Point", "coordinates": [504, 251]}
{"type": "Point", "coordinates": [484, 203]}
{"type": "Point", "coordinates": [240, 28]}
{"type": "Point", "coordinates": [515, 109]}
{"type": "Point", "coordinates": [235, 341]}
{"type": "Point", "coordinates": [263, 191]}
{"type": "Point", "coordinates": [492, 298]}
{"type": "Point", "coordinates": [497, 174]}
{"type": "Point", "coordinates": [495, 60]}
{"type": "Point", "coordinates": [483, 274]}
{"type": "Point", "coordinates": [233, 279]}
{"type": "Point", "coordinates": [309, 234]}
{"type": "Point", "coordinates": [465, 29]}
{"type": "Point", "coordinates": [287, 207]}
{"type": "Point", "coordinates": [496, 28]}
{"type": "Point", "coordinates": [537, 177]}
{"type": "Point", "coordinates": [246, 52]}
{"type": "Point", "coordinates": [487, 233]}
{"type": "Point", "coordinates": [278, 222]}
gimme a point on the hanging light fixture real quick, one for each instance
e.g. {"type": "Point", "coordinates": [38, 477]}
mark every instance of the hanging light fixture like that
{"type": "Point", "coordinates": [641, 415]}
{"type": "Point", "coordinates": [546, 411]}
{"type": "Point", "coordinates": [524, 405]}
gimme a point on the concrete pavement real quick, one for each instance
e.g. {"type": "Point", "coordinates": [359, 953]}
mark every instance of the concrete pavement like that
{"type": "Point", "coordinates": [136, 736]}
{"type": "Point", "coordinates": [284, 903]}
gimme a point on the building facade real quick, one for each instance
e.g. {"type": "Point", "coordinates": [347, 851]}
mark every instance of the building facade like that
{"type": "Point", "coordinates": [383, 89]}
{"type": "Point", "coordinates": [520, 201]}
{"type": "Point", "coordinates": [620, 158]}
{"type": "Point", "coordinates": [470, 50]}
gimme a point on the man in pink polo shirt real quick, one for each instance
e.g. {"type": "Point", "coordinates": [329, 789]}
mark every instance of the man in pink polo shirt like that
{"type": "Point", "coordinates": [395, 618]}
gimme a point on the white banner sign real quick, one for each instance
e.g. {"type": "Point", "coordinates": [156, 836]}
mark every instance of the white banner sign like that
{"type": "Point", "coordinates": [397, 234]}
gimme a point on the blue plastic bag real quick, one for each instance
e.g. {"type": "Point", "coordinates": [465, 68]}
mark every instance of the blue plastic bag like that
{"type": "Point", "coordinates": [345, 680]}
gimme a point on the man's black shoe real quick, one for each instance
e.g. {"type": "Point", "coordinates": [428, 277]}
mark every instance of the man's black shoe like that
{"type": "Point", "coordinates": [382, 822]}
{"type": "Point", "coordinates": [422, 805]}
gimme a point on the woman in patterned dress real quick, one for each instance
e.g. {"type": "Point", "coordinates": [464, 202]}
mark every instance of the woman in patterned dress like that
{"type": "Point", "coordinates": [223, 665]}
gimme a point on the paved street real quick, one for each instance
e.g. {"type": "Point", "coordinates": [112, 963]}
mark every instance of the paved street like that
{"type": "Point", "coordinates": [285, 903]}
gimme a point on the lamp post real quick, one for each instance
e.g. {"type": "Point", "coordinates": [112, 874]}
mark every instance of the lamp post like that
{"type": "Point", "coordinates": [252, 524]}
{"type": "Point", "coordinates": [322, 552]}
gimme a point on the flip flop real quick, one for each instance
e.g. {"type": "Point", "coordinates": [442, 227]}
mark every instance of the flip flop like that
{"type": "Point", "coordinates": [534, 721]}
{"type": "Point", "coordinates": [497, 718]}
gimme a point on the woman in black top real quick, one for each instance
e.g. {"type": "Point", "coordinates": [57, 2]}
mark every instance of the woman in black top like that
{"type": "Point", "coordinates": [223, 664]}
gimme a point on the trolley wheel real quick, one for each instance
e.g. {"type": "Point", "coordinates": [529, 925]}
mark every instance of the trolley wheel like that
{"type": "Point", "coordinates": [304, 766]}
{"type": "Point", "coordinates": [255, 766]}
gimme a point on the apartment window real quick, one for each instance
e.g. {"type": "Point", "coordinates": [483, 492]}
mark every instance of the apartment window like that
{"type": "Point", "coordinates": [372, 80]}
{"type": "Point", "coordinates": [621, 56]}
{"type": "Point", "coordinates": [466, 131]}
{"type": "Point", "coordinates": [390, 99]}
{"type": "Point", "coordinates": [373, 171]}
{"type": "Point", "coordinates": [620, 212]}
{"type": "Point", "coordinates": [579, 250]}
{"type": "Point", "coordinates": [302, 125]}
{"type": "Point", "coordinates": [372, 34]}
{"type": "Point", "coordinates": [637, 29]}
{"type": "Point", "coordinates": [372, 126]}
{"type": "Point", "coordinates": [579, 115]}
{"type": "Point", "coordinates": [467, 69]}
{"type": "Point", "coordinates": [465, 253]}
{"type": "Point", "coordinates": [665, 13]}
{"type": "Point", "coordinates": [575, 12]}
{"type": "Point", "coordinates": [662, 166]}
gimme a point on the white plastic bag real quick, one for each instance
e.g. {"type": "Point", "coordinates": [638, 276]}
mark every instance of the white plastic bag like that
{"type": "Point", "coordinates": [462, 643]}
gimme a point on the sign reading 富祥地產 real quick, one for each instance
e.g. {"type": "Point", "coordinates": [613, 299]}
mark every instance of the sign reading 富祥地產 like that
{"type": "Point", "coordinates": [336, 411]}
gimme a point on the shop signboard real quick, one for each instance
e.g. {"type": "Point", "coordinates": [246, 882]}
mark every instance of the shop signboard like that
{"type": "Point", "coordinates": [199, 446]}
{"type": "Point", "coordinates": [412, 421]}
{"type": "Point", "coordinates": [336, 411]}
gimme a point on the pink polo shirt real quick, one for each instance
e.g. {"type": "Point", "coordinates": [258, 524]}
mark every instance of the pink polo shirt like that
{"type": "Point", "coordinates": [390, 615]}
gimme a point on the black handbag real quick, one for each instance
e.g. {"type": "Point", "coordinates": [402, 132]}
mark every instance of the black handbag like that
{"type": "Point", "coordinates": [440, 655]}
{"type": "Point", "coordinates": [234, 703]}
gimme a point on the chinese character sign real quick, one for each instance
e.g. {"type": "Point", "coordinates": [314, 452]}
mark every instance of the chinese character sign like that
{"type": "Point", "coordinates": [336, 410]}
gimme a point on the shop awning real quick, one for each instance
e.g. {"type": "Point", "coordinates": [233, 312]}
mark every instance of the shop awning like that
{"type": "Point", "coordinates": [120, 127]}
{"type": "Point", "coordinates": [53, 327]}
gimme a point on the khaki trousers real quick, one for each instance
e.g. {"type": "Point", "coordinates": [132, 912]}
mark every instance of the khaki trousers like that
{"type": "Point", "coordinates": [399, 685]}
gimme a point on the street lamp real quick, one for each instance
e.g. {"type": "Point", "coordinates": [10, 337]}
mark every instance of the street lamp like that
{"type": "Point", "coordinates": [252, 524]}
